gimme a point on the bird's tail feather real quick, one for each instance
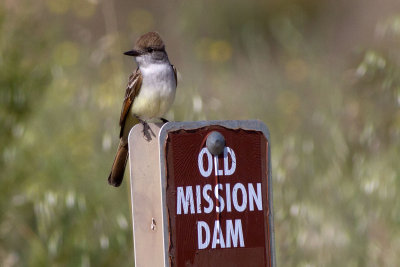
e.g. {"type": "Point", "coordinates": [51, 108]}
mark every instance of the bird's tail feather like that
{"type": "Point", "coordinates": [118, 167]}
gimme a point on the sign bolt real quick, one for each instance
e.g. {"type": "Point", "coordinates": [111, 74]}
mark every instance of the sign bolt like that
{"type": "Point", "coordinates": [215, 143]}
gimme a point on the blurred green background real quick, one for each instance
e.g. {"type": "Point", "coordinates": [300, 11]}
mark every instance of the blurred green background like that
{"type": "Point", "coordinates": [323, 75]}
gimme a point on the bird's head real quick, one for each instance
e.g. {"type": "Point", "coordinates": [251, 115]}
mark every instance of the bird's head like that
{"type": "Point", "coordinates": [149, 48]}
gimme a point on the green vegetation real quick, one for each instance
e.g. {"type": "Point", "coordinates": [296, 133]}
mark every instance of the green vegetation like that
{"type": "Point", "coordinates": [323, 75]}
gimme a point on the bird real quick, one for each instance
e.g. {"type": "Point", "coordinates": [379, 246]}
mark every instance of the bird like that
{"type": "Point", "coordinates": [149, 95]}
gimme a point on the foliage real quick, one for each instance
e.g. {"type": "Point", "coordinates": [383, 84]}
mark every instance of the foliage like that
{"type": "Point", "coordinates": [323, 78]}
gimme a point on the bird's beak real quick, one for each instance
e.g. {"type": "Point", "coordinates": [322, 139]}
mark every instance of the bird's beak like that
{"type": "Point", "coordinates": [132, 53]}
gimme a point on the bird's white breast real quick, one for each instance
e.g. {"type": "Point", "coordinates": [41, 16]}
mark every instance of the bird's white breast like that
{"type": "Point", "coordinates": [157, 92]}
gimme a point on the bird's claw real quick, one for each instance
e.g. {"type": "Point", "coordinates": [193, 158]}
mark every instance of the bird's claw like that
{"type": "Point", "coordinates": [147, 132]}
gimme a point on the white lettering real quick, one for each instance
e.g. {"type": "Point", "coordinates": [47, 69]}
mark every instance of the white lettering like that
{"type": "Point", "coordinates": [227, 170]}
{"type": "Point", "coordinates": [220, 207]}
{"type": "Point", "coordinates": [253, 197]}
{"type": "Point", "coordinates": [207, 197]}
{"type": "Point", "coordinates": [183, 200]}
{"type": "Point", "coordinates": [218, 237]}
{"type": "Point", "coordinates": [234, 234]}
{"type": "Point", "coordinates": [238, 207]}
{"type": "Point", "coordinates": [239, 198]}
{"type": "Point", "coordinates": [200, 162]}
{"type": "Point", "coordinates": [198, 198]}
{"type": "Point", "coordinates": [200, 243]}
{"type": "Point", "coordinates": [218, 172]}
{"type": "Point", "coordinates": [231, 170]}
{"type": "Point", "coordinates": [228, 197]}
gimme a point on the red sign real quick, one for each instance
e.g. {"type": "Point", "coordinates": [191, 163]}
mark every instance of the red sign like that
{"type": "Point", "coordinates": [218, 206]}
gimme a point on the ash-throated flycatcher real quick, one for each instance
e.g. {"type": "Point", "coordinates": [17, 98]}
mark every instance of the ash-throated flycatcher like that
{"type": "Point", "coordinates": [149, 94]}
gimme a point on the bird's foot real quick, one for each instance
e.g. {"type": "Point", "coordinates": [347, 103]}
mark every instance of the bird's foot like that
{"type": "Point", "coordinates": [147, 132]}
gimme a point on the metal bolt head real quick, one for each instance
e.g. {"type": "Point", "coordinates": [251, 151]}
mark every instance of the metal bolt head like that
{"type": "Point", "coordinates": [215, 143]}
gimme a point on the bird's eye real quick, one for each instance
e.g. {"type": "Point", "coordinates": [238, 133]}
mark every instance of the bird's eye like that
{"type": "Point", "coordinates": [150, 50]}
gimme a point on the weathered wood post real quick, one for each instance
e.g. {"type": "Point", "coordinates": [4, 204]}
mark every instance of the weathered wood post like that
{"type": "Point", "coordinates": [202, 194]}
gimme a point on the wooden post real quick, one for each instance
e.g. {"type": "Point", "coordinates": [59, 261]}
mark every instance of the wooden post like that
{"type": "Point", "coordinates": [144, 161]}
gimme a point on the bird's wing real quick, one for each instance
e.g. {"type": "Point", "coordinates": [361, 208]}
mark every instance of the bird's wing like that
{"type": "Point", "coordinates": [175, 74]}
{"type": "Point", "coordinates": [132, 90]}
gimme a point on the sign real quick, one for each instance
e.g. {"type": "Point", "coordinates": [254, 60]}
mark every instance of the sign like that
{"type": "Point", "coordinates": [217, 209]}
